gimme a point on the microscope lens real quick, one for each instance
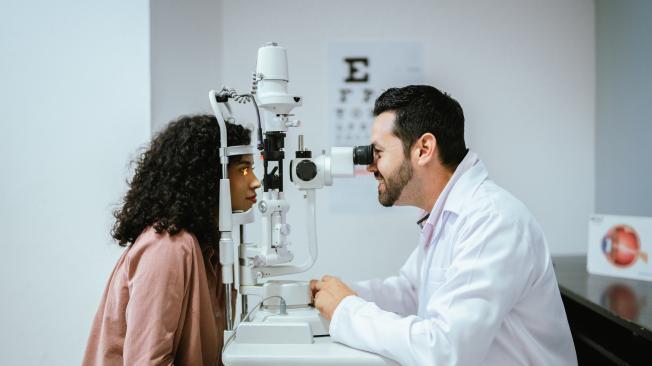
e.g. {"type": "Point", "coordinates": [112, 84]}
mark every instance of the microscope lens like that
{"type": "Point", "coordinates": [363, 155]}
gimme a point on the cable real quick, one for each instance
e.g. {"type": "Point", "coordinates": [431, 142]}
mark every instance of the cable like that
{"type": "Point", "coordinates": [260, 128]}
{"type": "Point", "coordinates": [282, 311]}
{"type": "Point", "coordinates": [250, 97]}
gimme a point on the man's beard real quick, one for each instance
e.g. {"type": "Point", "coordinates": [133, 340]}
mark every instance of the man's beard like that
{"type": "Point", "coordinates": [394, 184]}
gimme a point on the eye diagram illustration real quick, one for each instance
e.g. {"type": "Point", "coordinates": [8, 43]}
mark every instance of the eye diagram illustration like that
{"type": "Point", "coordinates": [622, 246]}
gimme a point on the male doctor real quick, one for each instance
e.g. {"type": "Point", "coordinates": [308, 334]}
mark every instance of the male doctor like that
{"type": "Point", "coordinates": [479, 288]}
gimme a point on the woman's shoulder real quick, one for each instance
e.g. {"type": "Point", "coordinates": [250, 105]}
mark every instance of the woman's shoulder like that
{"type": "Point", "coordinates": [163, 246]}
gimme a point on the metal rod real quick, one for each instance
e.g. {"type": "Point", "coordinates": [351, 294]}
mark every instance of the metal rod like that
{"type": "Point", "coordinates": [229, 305]}
{"type": "Point", "coordinates": [245, 305]}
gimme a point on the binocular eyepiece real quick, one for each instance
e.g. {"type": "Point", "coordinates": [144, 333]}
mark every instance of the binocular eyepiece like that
{"type": "Point", "coordinates": [363, 155]}
{"type": "Point", "coordinates": [309, 173]}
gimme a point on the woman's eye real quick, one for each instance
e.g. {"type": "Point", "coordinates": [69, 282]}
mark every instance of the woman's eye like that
{"type": "Point", "coordinates": [244, 171]}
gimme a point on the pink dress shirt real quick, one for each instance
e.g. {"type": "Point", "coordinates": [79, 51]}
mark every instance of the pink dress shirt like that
{"type": "Point", "coordinates": [161, 306]}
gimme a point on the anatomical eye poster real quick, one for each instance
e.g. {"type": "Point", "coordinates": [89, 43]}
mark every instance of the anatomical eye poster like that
{"type": "Point", "coordinates": [619, 246]}
{"type": "Point", "coordinates": [358, 73]}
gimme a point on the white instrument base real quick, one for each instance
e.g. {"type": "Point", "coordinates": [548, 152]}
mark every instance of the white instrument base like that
{"type": "Point", "coordinates": [293, 339]}
{"type": "Point", "coordinates": [322, 352]}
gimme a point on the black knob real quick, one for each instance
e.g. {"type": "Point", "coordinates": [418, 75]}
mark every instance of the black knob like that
{"type": "Point", "coordinates": [303, 154]}
{"type": "Point", "coordinates": [306, 170]}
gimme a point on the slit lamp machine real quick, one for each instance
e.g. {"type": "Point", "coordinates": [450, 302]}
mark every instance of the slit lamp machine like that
{"type": "Point", "coordinates": [283, 328]}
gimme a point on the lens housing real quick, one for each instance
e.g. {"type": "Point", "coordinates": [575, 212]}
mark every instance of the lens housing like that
{"type": "Point", "coordinates": [363, 155]}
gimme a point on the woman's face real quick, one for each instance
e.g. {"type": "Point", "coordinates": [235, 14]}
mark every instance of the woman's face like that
{"type": "Point", "coordinates": [243, 183]}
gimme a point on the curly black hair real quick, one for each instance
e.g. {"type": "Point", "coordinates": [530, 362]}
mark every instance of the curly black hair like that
{"type": "Point", "coordinates": [176, 183]}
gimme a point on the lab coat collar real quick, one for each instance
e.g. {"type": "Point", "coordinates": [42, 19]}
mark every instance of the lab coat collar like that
{"type": "Point", "coordinates": [470, 178]}
{"type": "Point", "coordinates": [467, 176]}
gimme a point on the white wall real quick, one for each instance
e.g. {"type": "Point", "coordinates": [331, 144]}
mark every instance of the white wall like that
{"type": "Point", "coordinates": [523, 72]}
{"type": "Point", "coordinates": [185, 57]}
{"type": "Point", "coordinates": [624, 91]}
{"type": "Point", "coordinates": [75, 104]}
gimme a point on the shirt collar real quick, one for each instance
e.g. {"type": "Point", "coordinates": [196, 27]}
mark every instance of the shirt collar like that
{"type": "Point", "coordinates": [423, 216]}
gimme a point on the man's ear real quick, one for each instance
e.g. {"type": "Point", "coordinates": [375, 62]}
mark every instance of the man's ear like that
{"type": "Point", "coordinates": [425, 149]}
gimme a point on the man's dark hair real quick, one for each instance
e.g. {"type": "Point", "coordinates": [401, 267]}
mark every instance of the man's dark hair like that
{"type": "Point", "coordinates": [176, 183]}
{"type": "Point", "coordinates": [421, 109]}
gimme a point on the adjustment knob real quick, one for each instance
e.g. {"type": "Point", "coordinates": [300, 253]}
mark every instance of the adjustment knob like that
{"type": "Point", "coordinates": [306, 170]}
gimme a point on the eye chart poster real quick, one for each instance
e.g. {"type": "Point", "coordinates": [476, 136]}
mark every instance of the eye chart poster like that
{"type": "Point", "coordinates": [358, 73]}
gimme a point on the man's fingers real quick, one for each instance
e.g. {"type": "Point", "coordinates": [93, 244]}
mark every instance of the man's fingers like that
{"type": "Point", "coordinates": [313, 285]}
{"type": "Point", "coordinates": [316, 301]}
{"type": "Point", "coordinates": [317, 286]}
{"type": "Point", "coordinates": [328, 278]}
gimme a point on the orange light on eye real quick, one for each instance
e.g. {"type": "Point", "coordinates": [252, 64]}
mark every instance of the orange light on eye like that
{"type": "Point", "coordinates": [245, 171]}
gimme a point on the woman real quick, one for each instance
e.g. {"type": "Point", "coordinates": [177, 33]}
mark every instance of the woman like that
{"type": "Point", "coordinates": [164, 303]}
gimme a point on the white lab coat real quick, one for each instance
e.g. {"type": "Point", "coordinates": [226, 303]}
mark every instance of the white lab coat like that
{"type": "Point", "coordinates": [479, 289]}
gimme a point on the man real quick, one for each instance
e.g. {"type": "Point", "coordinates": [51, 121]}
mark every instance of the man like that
{"type": "Point", "coordinates": [479, 289]}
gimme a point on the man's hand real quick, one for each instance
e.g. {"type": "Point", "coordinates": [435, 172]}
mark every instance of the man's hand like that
{"type": "Point", "coordinates": [328, 294]}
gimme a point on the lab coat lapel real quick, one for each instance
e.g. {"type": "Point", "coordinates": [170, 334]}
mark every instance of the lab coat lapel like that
{"type": "Point", "coordinates": [442, 201]}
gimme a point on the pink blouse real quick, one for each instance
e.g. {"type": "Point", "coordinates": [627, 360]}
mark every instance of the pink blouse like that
{"type": "Point", "coordinates": [160, 306]}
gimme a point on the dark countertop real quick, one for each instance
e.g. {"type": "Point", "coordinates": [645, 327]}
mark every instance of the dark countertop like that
{"type": "Point", "coordinates": [624, 301]}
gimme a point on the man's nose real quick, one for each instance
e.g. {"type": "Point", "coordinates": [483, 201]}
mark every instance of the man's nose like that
{"type": "Point", "coordinates": [371, 168]}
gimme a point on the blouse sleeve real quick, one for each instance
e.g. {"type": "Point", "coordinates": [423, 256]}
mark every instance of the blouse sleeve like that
{"type": "Point", "coordinates": [158, 278]}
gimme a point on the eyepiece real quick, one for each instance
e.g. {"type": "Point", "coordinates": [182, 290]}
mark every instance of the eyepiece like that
{"type": "Point", "coordinates": [363, 155]}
